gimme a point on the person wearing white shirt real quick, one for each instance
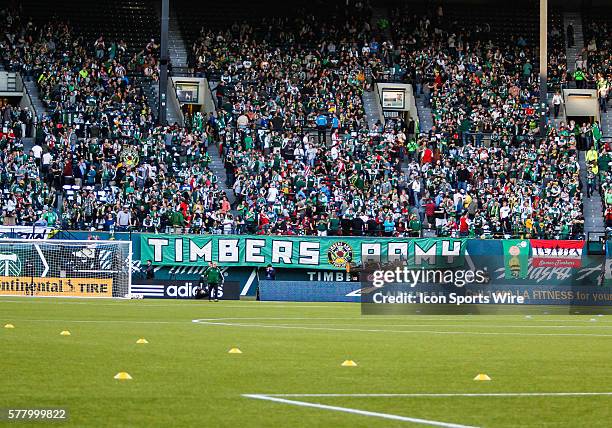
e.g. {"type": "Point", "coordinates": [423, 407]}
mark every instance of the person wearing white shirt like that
{"type": "Point", "coordinates": [298, 154]}
{"type": "Point", "coordinates": [416, 189]}
{"type": "Point", "coordinates": [228, 224]}
{"type": "Point", "coordinates": [504, 215]}
{"type": "Point", "coordinates": [37, 152]}
{"type": "Point", "coordinates": [312, 156]}
{"type": "Point", "coordinates": [334, 153]}
{"type": "Point", "coordinates": [46, 162]}
{"type": "Point", "coordinates": [124, 219]}
{"type": "Point", "coordinates": [557, 101]}
{"type": "Point", "coordinates": [272, 194]}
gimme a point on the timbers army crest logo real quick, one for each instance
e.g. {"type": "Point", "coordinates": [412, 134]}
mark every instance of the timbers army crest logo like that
{"type": "Point", "coordinates": [339, 254]}
{"type": "Point", "coordinates": [129, 156]}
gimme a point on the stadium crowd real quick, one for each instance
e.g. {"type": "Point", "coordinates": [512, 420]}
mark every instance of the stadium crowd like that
{"type": "Point", "coordinates": [596, 61]}
{"type": "Point", "coordinates": [291, 130]}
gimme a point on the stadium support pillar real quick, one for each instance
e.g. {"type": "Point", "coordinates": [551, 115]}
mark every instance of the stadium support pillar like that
{"type": "Point", "coordinates": [543, 65]}
{"type": "Point", "coordinates": [163, 63]}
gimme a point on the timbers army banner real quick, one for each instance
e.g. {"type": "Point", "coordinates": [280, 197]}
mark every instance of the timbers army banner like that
{"type": "Point", "coordinates": [327, 253]}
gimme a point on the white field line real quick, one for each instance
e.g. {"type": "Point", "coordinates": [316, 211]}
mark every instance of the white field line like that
{"type": "Point", "coordinates": [253, 304]}
{"type": "Point", "coordinates": [474, 321]}
{"type": "Point", "coordinates": [467, 394]}
{"type": "Point", "coordinates": [356, 411]}
{"type": "Point", "coordinates": [214, 321]}
{"type": "Point", "coordinates": [372, 330]}
{"type": "Point", "coordinates": [119, 302]}
{"type": "Point", "coordinates": [459, 323]}
{"type": "Point", "coordinates": [99, 321]}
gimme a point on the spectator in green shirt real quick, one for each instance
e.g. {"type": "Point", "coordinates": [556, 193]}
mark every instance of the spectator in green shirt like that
{"type": "Point", "coordinates": [579, 77]}
{"type": "Point", "coordinates": [176, 219]}
{"type": "Point", "coordinates": [415, 226]}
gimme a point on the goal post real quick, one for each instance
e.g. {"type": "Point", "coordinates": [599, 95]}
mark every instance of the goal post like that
{"type": "Point", "coordinates": [65, 268]}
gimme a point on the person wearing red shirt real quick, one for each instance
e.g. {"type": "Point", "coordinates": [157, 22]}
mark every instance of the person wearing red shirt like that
{"type": "Point", "coordinates": [438, 81]}
{"type": "Point", "coordinates": [184, 207]}
{"type": "Point", "coordinates": [264, 221]}
{"type": "Point", "coordinates": [225, 205]}
{"type": "Point", "coordinates": [427, 156]}
{"type": "Point", "coordinates": [464, 226]}
{"type": "Point", "coordinates": [430, 211]}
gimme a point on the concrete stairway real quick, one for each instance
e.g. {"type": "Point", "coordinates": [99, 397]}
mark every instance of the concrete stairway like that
{"type": "Point", "coordinates": [593, 207]}
{"type": "Point", "coordinates": [381, 35]}
{"type": "Point", "coordinates": [176, 45]}
{"type": "Point", "coordinates": [172, 116]}
{"type": "Point", "coordinates": [28, 143]}
{"type": "Point", "coordinates": [370, 100]}
{"type": "Point", "coordinates": [217, 166]}
{"type": "Point", "coordinates": [561, 117]}
{"type": "Point", "coordinates": [606, 122]}
{"type": "Point", "coordinates": [172, 113]}
{"type": "Point", "coordinates": [151, 90]}
{"type": "Point", "coordinates": [32, 89]}
{"type": "Point", "coordinates": [372, 108]}
{"type": "Point", "coordinates": [425, 117]}
{"type": "Point", "coordinates": [574, 51]}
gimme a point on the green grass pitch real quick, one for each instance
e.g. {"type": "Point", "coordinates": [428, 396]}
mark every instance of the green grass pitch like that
{"type": "Point", "coordinates": [184, 376]}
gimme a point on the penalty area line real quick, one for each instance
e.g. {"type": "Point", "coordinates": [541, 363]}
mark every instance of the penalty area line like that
{"type": "Point", "coordinates": [467, 394]}
{"type": "Point", "coordinates": [355, 411]}
{"type": "Point", "coordinates": [207, 321]}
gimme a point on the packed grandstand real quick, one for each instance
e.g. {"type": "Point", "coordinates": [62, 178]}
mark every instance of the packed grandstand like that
{"type": "Point", "coordinates": [290, 129]}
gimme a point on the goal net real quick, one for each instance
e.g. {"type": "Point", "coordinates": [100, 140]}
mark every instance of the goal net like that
{"type": "Point", "coordinates": [65, 268]}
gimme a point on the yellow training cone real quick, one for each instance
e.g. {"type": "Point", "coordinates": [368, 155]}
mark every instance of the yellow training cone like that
{"type": "Point", "coordinates": [123, 376]}
{"type": "Point", "coordinates": [234, 351]}
{"type": "Point", "coordinates": [482, 376]}
{"type": "Point", "coordinates": [65, 333]}
{"type": "Point", "coordinates": [141, 341]}
{"type": "Point", "coordinates": [9, 326]}
{"type": "Point", "coordinates": [349, 363]}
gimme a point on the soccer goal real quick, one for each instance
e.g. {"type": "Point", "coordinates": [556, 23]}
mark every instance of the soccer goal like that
{"type": "Point", "coordinates": [63, 268]}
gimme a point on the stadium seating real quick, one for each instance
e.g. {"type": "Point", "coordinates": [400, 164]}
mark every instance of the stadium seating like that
{"type": "Point", "coordinates": [134, 21]}
{"type": "Point", "coordinates": [287, 76]}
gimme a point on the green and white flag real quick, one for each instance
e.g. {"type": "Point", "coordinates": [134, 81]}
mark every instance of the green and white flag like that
{"type": "Point", "coordinates": [516, 258]}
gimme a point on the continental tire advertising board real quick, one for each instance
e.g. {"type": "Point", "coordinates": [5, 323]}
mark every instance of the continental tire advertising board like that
{"type": "Point", "coordinates": [55, 287]}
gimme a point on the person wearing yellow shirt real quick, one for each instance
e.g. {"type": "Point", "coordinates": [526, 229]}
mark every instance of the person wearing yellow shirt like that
{"type": "Point", "coordinates": [467, 201]}
{"type": "Point", "coordinates": [591, 155]}
{"type": "Point", "coordinates": [529, 225]}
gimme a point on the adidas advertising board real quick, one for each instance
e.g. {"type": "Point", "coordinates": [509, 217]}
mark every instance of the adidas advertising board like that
{"type": "Point", "coordinates": [177, 289]}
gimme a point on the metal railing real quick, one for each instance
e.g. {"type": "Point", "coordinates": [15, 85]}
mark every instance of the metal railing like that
{"type": "Point", "coordinates": [175, 102]}
{"type": "Point", "coordinates": [31, 105]}
{"type": "Point", "coordinates": [184, 72]}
